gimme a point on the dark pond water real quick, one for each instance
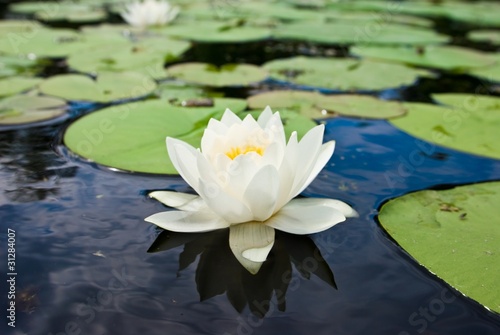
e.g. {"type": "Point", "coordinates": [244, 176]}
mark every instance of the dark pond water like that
{"type": "Point", "coordinates": [87, 262]}
{"type": "Point", "coordinates": [84, 268]}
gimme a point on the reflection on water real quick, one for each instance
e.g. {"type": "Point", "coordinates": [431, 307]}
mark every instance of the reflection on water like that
{"type": "Point", "coordinates": [83, 262]}
{"type": "Point", "coordinates": [219, 272]}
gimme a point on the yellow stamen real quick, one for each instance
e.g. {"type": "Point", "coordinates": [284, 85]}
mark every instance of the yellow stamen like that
{"type": "Point", "coordinates": [236, 151]}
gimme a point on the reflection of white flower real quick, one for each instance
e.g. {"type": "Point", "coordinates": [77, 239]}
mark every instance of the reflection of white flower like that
{"type": "Point", "coordinates": [246, 175]}
{"type": "Point", "coordinates": [149, 13]}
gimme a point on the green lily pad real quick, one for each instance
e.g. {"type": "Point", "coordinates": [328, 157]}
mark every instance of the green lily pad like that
{"type": "Point", "coordinates": [73, 12]}
{"type": "Point", "coordinates": [347, 32]}
{"type": "Point", "coordinates": [452, 234]}
{"type": "Point", "coordinates": [211, 75]}
{"type": "Point", "coordinates": [11, 65]}
{"type": "Point", "coordinates": [22, 109]}
{"type": "Point", "coordinates": [318, 106]}
{"type": "Point", "coordinates": [179, 91]}
{"type": "Point", "coordinates": [216, 32]}
{"type": "Point", "coordinates": [490, 36]}
{"type": "Point", "coordinates": [13, 85]}
{"type": "Point", "coordinates": [44, 42]}
{"type": "Point", "coordinates": [440, 57]}
{"type": "Point", "coordinates": [490, 73]}
{"type": "Point", "coordinates": [147, 56]}
{"type": "Point", "coordinates": [362, 106]}
{"type": "Point", "coordinates": [472, 127]}
{"type": "Point", "coordinates": [343, 74]}
{"type": "Point", "coordinates": [132, 136]}
{"type": "Point", "coordinates": [108, 86]}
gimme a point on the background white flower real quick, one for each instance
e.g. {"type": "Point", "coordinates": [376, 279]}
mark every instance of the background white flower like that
{"type": "Point", "coordinates": [149, 13]}
{"type": "Point", "coordinates": [246, 175]}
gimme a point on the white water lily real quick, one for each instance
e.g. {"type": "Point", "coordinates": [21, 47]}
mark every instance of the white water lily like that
{"type": "Point", "coordinates": [246, 176]}
{"type": "Point", "coordinates": [149, 13]}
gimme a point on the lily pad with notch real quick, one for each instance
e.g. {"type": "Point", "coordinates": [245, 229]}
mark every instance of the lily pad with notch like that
{"type": "Point", "coordinates": [451, 233]}
{"type": "Point", "coordinates": [131, 136]}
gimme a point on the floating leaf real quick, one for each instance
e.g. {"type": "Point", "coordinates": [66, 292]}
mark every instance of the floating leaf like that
{"type": "Point", "coordinates": [490, 36]}
{"type": "Point", "coordinates": [72, 12]}
{"type": "Point", "coordinates": [13, 85]}
{"type": "Point", "coordinates": [147, 56]}
{"type": "Point", "coordinates": [216, 32]}
{"type": "Point", "coordinates": [342, 74]}
{"type": "Point", "coordinates": [473, 127]}
{"type": "Point", "coordinates": [362, 106]}
{"type": "Point", "coordinates": [106, 88]}
{"type": "Point", "coordinates": [45, 42]}
{"type": "Point", "coordinates": [452, 233]}
{"type": "Point", "coordinates": [211, 75]}
{"type": "Point", "coordinates": [440, 57]}
{"type": "Point", "coordinates": [346, 32]}
{"type": "Point", "coordinates": [11, 65]}
{"type": "Point", "coordinates": [491, 73]}
{"type": "Point", "coordinates": [21, 109]}
{"type": "Point", "coordinates": [132, 136]}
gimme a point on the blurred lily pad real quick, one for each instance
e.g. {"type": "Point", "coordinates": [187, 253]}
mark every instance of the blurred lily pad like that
{"type": "Point", "coordinates": [490, 73]}
{"type": "Point", "coordinates": [147, 56]}
{"type": "Point", "coordinates": [73, 12]}
{"type": "Point", "coordinates": [346, 32]}
{"type": "Point", "coordinates": [450, 58]}
{"type": "Point", "coordinates": [490, 36]}
{"type": "Point", "coordinates": [22, 109]}
{"type": "Point", "coordinates": [11, 65]}
{"type": "Point", "coordinates": [13, 85]}
{"type": "Point", "coordinates": [216, 32]}
{"type": "Point", "coordinates": [318, 106]}
{"type": "Point", "coordinates": [106, 88]}
{"type": "Point", "coordinates": [362, 106]}
{"type": "Point", "coordinates": [45, 42]}
{"type": "Point", "coordinates": [132, 136]}
{"type": "Point", "coordinates": [211, 75]}
{"type": "Point", "coordinates": [342, 74]}
{"type": "Point", "coordinates": [472, 126]}
{"type": "Point", "coordinates": [452, 233]}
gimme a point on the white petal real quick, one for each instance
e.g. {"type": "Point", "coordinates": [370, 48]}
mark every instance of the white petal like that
{"type": "Point", "coordinates": [341, 206]}
{"type": "Point", "coordinates": [324, 156]}
{"type": "Point", "coordinates": [184, 158]}
{"type": "Point", "coordinates": [229, 118]}
{"type": "Point", "coordinates": [251, 243]}
{"type": "Point", "coordinates": [187, 222]}
{"type": "Point", "coordinates": [179, 200]}
{"type": "Point", "coordinates": [265, 116]}
{"type": "Point", "coordinates": [231, 209]}
{"type": "Point", "coordinates": [298, 219]}
{"type": "Point", "coordinates": [262, 193]}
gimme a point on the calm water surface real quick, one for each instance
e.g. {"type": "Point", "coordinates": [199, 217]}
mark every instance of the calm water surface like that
{"type": "Point", "coordinates": [84, 268]}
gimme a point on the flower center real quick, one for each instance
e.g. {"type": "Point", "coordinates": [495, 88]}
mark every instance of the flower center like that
{"type": "Point", "coordinates": [236, 151]}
